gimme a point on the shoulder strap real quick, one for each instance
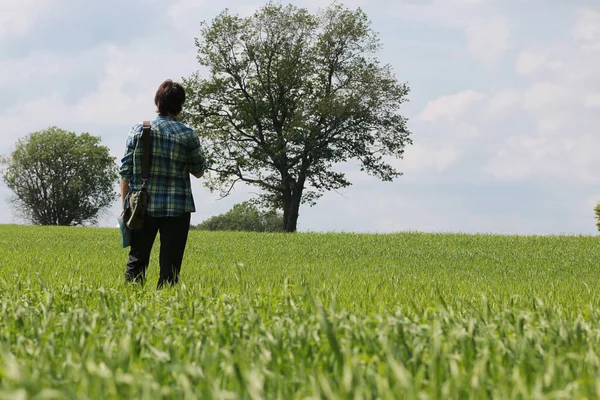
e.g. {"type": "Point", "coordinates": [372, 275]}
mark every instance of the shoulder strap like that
{"type": "Point", "coordinates": [146, 154]}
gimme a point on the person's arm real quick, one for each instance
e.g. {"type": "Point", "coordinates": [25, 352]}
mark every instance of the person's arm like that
{"type": "Point", "coordinates": [197, 160]}
{"type": "Point", "coordinates": [126, 170]}
{"type": "Point", "coordinates": [124, 191]}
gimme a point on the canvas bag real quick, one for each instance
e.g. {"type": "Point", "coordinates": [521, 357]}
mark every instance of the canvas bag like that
{"type": "Point", "coordinates": [138, 199]}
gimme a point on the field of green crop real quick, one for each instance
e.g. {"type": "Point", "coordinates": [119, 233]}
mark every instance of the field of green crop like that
{"type": "Point", "coordinates": [306, 316]}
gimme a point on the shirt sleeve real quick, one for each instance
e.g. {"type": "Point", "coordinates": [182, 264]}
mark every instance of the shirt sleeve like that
{"type": "Point", "coordinates": [197, 159]}
{"type": "Point", "coordinates": [126, 170]}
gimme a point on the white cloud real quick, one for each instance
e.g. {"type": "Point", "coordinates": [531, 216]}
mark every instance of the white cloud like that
{"type": "Point", "coordinates": [41, 65]}
{"type": "Point", "coordinates": [453, 13]}
{"type": "Point", "coordinates": [557, 138]}
{"type": "Point", "coordinates": [588, 27]}
{"type": "Point", "coordinates": [187, 14]}
{"type": "Point", "coordinates": [560, 159]}
{"type": "Point", "coordinates": [119, 70]}
{"type": "Point", "coordinates": [124, 96]}
{"type": "Point", "coordinates": [19, 16]}
{"type": "Point", "coordinates": [450, 106]}
{"type": "Point", "coordinates": [541, 129]}
{"type": "Point", "coordinates": [325, 3]}
{"type": "Point", "coordinates": [421, 157]}
{"type": "Point", "coordinates": [181, 9]}
{"type": "Point", "coordinates": [542, 95]}
{"type": "Point", "coordinates": [487, 33]}
{"type": "Point", "coordinates": [553, 123]}
{"type": "Point", "coordinates": [592, 101]}
{"type": "Point", "coordinates": [528, 63]}
{"type": "Point", "coordinates": [467, 131]}
{"type": "Point", "coordinates": [446, 208]}
{"type": "Point", "coordinates": [488, 39]}
{"type": "Point", "coordinates": [502, 102]}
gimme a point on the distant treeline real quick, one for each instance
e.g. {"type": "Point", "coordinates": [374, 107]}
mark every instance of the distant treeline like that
{"type": "Point", "coordinates": [244, 217]}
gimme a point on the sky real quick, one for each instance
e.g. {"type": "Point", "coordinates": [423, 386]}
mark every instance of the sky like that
{"type": "Point", "coordinates": [504, 104]}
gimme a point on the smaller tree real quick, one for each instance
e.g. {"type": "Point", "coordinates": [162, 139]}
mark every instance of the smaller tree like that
{"type": "Point", "coordinates": [60, 178]}
{"type": "Point", "coordinates": [245, 216]}
{"type": "Point", "coordinates": [597, 211]}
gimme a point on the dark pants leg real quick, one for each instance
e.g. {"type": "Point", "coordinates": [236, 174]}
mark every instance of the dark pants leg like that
{"type": "Point", "coordinates": [139, 253]}
{"type": "Point", "coordinates": [173, 238]}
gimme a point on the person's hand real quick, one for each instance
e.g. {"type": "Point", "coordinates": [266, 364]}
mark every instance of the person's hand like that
{"type": "Point", "coordinates": [122, 213]}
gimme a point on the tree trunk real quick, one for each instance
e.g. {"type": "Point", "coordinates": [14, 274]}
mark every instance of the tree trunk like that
{"type": "Point", "coordinates": [292, 196]}
{"type": "Point", "coordinates": [291, 207]}
{"type": "Point", "coordinates": [291, 222]}
{"type": "Point", "coordinates": [287, 201]}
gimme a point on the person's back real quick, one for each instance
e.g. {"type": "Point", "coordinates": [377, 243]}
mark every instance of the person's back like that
{"type": "Point", "coordinates": [169, 186]}
{"type": "Point", "coordinates": [175, 154]}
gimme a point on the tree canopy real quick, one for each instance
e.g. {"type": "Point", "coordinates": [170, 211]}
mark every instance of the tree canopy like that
{"type": "Point", "coordinates": [60, 178]}
{"type": "Point", "coordinates": [288, 97]}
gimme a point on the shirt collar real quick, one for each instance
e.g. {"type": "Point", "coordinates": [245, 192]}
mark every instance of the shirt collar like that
{"type": "Point", "coordinates": [166, 117]}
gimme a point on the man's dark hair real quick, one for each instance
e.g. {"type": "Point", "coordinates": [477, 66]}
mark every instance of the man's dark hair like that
{"type": "Point", "coordinates": [169, 98]}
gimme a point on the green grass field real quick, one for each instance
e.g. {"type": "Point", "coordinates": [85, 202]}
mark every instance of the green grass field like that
{"type": "Point", "coordinates": [306, 316]}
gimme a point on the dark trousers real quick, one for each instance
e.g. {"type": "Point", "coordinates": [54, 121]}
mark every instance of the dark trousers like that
{"type": "Point", "coordinates": [173, 238]}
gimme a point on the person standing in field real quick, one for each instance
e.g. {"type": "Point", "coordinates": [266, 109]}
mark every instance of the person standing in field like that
{"type": "Point", "coordinates": [175, 155]}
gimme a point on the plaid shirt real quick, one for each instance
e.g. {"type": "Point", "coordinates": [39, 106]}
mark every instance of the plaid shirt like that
{"type": "Point", "coordinates": [176, 153]}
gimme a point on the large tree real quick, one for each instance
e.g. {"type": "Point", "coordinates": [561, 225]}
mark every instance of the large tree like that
{"type": "Point", "coordinates": [289, 96]}
{"type": "Point", "coordinates": [60, 178]}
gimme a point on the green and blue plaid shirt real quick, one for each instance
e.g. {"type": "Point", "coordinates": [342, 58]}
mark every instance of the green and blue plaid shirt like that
{"type": "Point", "coordinates": [176, 153]}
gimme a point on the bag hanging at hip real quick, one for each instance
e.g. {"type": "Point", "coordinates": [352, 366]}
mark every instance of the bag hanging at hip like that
{"type": "Point", "coordinates": [138, 199]}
